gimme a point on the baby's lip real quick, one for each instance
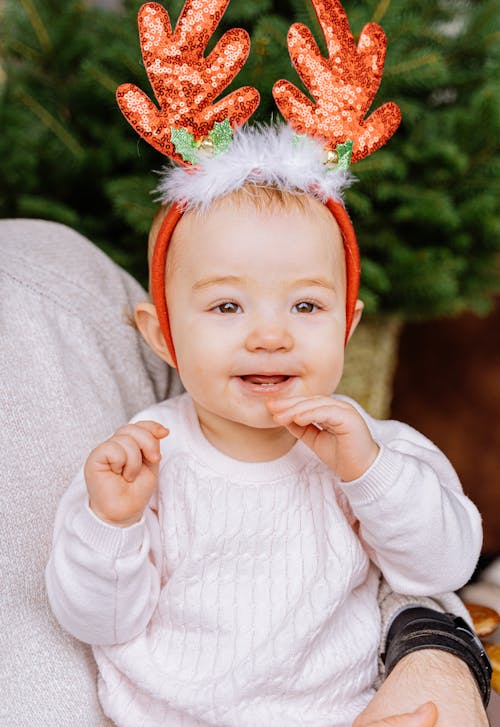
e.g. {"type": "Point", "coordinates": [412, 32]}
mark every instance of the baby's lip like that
{"type": "Point", "coordinates": [268, 379]}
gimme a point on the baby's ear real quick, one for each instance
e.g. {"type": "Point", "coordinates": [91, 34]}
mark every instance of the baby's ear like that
{"type": "Point", "coordinates": [358, 311]}
{"type": "Point", "coordinates": [147, 322]}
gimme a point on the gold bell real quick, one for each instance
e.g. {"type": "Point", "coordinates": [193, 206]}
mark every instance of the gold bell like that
{"type": "Point", "coordinates": [207, 147]}
{"type": "Point", "coordinates": [331, 158]}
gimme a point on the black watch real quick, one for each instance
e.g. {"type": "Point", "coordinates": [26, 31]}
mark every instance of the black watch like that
{"type": "Point", "coordinates": [418, 628]}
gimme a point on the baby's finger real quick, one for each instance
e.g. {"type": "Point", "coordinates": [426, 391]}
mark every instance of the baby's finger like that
{"type": "Point", "coordinates": [145, 437]}
{"type": "Point", "coordinates": [283, 410]}
{"type": "Point", "coordinates": [285, 402]}
{"type": "Point", "coordinates": [112, 455]}
{"type": "Point", "coordinates": [326, 416]}
{"type": "Point", "coordinates": [306, 434]}
{"type": "Point", "coordinates": [155, 428]}
{"type": "Point", "coordinates": [133, 459]}
{"type": "Point", "coordinates": [296, 405]}
{"type": "Point", "coordinates": [307, 411]}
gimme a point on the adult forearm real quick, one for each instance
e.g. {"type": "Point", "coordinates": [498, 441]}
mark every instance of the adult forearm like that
{"type": "Point", "coordinates": [429, 675]}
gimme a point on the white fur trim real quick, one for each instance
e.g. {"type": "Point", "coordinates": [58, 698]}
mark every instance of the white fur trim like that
{"type": "Point", "coordinates": [267, 156]}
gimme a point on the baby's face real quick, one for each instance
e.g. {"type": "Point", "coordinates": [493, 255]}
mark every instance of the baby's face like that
{"type": "Point", "coordinates": [256, 300]}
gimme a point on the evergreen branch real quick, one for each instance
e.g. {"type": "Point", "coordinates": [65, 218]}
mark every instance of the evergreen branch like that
{"type": "Point", "coordinates": [273, 32]}
{"type": "Point", "coordinates": [267, 34]}
{"type": "Point", "coordinates": [426, 33]}
{"type": "Point", "coordinates": [380, 10]}
{"type": "Point", "coordinates": [260, 48]}
{"type": "Point", "coordinates": [370, 164]}
{"type": "Point", "coordinates": [492, 40]}
{"type": "Point", "coordinates": [3, 78]}
{"type": "Point", "coordinates": [25, 51]}
{"type": "Point", "coordinates": [401, 68]}
{"type": "Point", "coordinates": [103, 78]}
{"type": "Point", "coordinates": [50, 122]}
{"type": "Point", "coordinates": [37, 24]}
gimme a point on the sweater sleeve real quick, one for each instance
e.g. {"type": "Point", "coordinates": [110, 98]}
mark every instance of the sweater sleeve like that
{"type": "Point", "coordinates": [103, 582]}
{"type": "Point", "coordinates": [420, 529]}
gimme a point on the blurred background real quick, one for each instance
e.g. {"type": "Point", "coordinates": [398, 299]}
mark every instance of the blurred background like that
{"type": "Point", "coordinates": [426, 207]}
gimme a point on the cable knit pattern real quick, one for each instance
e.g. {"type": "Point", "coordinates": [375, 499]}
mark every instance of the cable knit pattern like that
{"type": "Point", "coordinates": [245, 597]}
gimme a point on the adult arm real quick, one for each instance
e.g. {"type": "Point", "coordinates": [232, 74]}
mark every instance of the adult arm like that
{"type": "Point", "coordinates": [427, 675]}
{"type": "Point", "coordinates": [73, 371]}
{"type": "Point", "coordinates": [424, 675]}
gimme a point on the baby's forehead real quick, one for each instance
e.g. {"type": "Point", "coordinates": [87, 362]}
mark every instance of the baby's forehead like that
{"type": "Point", "coordinates": [290, 233]}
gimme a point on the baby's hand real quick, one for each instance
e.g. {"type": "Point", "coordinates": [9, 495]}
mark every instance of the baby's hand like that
{"type": "Point", "coordinates": [343, 442]}
{"type": "Point", "coordinates": [122, 472]}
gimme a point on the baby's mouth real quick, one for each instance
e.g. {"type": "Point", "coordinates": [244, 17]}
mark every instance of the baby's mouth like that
{"type": "Point", "coordinates": [265, 379]}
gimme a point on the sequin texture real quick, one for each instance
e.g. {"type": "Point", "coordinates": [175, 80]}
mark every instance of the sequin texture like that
{"type": "Point", "coordinates": [343, 85]}
{"type": "Point", "coordinates": [186, 83]}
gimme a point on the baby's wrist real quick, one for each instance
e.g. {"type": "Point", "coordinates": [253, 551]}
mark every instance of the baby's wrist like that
{"type": "Point", "coordinates": [104, 537]}
{"type": "Point", "coordinates": [361, 466]}
{"type": "Point", "coordinates": [125, 523]}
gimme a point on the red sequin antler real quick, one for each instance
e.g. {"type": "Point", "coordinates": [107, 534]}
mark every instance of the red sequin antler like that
{"type": "Point", "coordinates": [184, 81]}
{"type": "Point", "coordinates": [343, 85]}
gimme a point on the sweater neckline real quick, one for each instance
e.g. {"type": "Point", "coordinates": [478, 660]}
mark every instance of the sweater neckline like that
{"type": "Point", "coordinates": [205, 452]}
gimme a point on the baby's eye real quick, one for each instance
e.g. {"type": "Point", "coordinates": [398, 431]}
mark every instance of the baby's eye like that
{"type": "Point", "coordinates": [228, 307]}
{"type": "Point", "coordinates": [305, 306]}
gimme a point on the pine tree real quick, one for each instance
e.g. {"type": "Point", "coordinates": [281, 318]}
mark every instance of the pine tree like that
{"type": "Point", "coordinates": [426, 207]}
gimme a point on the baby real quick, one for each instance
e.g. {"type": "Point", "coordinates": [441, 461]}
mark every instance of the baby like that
{"type": "Point", "coordinates": [222, 552]}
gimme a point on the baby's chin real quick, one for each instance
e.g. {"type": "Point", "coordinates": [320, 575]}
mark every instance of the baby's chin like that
{"type": "Point", "coordinates": [262, 421]}
{"type": "Point", "coordinates": [257, 424]}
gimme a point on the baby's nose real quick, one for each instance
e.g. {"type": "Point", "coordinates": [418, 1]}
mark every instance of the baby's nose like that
{"type": "Point", "coordinates": [269, 335]}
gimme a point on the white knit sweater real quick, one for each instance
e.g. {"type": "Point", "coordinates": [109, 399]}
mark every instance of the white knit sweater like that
{"type": "Point", "coordinates": [247, 595]}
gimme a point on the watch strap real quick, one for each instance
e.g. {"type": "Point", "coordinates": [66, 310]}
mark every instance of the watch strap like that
{"type": "Point", "coordinates": [419, 628]}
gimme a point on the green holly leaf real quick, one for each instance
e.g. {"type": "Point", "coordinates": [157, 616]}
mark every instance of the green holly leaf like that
{"type": "Point", "coordinates": [221, 135]}
{"type": "Point", "coordinates": [344, 152]}
{"type": "Point", "coordinates": [184, 144]}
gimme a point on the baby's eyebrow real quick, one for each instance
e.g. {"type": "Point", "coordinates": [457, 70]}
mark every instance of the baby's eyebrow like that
{"type": "Point", "coordinates": [236, 279]}
{"type": "Point", "coordinates": [314, 282]}
{"type": "Point", "coordinates": [217, 280]}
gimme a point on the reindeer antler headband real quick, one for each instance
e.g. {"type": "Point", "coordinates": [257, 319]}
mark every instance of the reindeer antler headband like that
{"type": "Point", "coordinates": [312, 154]}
